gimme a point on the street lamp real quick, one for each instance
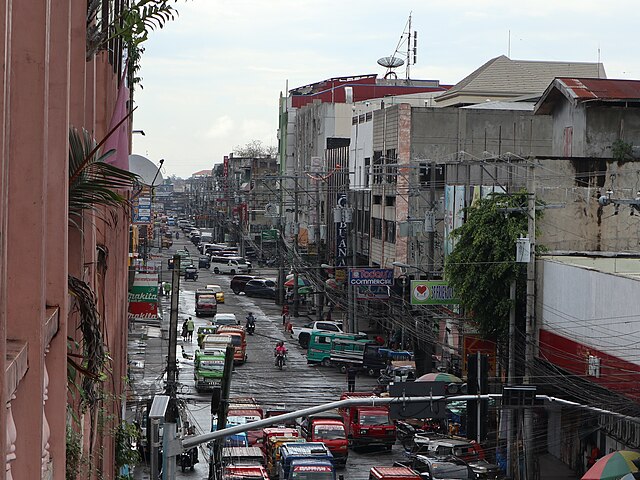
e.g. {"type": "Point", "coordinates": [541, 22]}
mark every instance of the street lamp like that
{"type": "Point", "coordinates": [405, 266]}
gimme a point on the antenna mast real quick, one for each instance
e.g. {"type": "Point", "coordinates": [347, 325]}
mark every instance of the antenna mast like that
{"type": "Point", "coordinates": [394, 61]}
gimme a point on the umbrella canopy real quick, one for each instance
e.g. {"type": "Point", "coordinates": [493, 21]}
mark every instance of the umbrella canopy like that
{"type": "Point", "coordinates": [613, 466]}
{"type": "Point", "coordinates": [631, 476]}
{"type": "Point", "coordinates": [302, 282]}
{"type": "Point", "coordinates": [439, 377]}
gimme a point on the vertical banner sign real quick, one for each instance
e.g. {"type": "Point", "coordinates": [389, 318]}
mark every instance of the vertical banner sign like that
{"type": "Point", "coordinates": [448, 218]}
{"type": "Point", "coordinates": [225, 166]}
{"type": "Point", "coordinates": [143, 297]}
{"type": "Point", "coordinates": [142, 211]}
{"type": "Point", "coordinates": [341, 234]}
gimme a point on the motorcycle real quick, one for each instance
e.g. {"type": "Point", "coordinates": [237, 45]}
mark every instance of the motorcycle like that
{"type": "Point", "coordinates": [280, 358]}
{"type": "Point", "coordinates": [177, 235]}
{"type": "Point", "coordinates": [188, 459]}
{"type": "Point", "coordinates": [250, 326]}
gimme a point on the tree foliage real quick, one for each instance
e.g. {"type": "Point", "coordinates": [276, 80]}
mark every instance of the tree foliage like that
{"type": "Point", "coordinates": [254, 149]}
{"type": "Point", "coordinates": [482, 264]}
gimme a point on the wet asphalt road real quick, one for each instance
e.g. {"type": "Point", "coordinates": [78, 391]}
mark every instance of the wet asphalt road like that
{"type": "Point", "coordinates": [295, 387]}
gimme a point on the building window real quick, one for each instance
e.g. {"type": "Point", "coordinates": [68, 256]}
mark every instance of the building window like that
{"type": "Point", "coordinates": [354, 120]}
{"type": "Point", "coordinates": [361, 119]}
{"type": "Point", "coordinates": [390, 231]}
{"type": "Point", "coordinates": [377, 167]}
{"type": "Point", "coordinates": [390, 201]}
{"type": "Point", "coordinates": [377, 199]}
{"type": "Point", "coordinates": [425, 174]}
{"type": "Point", "coordinates": [391, 159]}
{"type": "Point", "coordinates": [367, 171]}
{"type": "Point", "coordinates": [366, 223]}
{"type": "Point", "coordinates": [368, 116]}
{"type": "Point", "coordinates": [377, 228]}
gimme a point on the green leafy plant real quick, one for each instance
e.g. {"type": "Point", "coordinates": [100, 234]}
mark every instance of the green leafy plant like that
{"type": "Point", "coordinates": [132, 24]}
{"type": "Point", "coordinates": [73, 453]}
{"type": "Point", "coordinates": [622, 150]}
{"type": "Point", "coordinates": [482, 265]}
{"type": "Point", "coordinates": [126, 435]}
{"type": "Point", "coordinates": [92, 181]}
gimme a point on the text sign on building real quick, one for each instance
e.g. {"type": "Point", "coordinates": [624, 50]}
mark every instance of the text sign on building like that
{"type": "Point", "coordinates": [371, 276]}
{"type": "Point", "coordinates": [341, 234]}
{"type": "Point", "coordinates": [424, 292]}
{"type": "Point", "coordinates": [142, 211]}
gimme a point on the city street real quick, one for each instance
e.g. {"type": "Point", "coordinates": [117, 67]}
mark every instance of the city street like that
{"type": "Point", "coordinates": [295, 387]}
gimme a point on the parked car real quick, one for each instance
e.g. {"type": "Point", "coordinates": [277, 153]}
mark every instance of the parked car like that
{"type": "Point", "coordinates": [260, 287]}
{"type": "Point", "coordinates": [204, 262]}
{"type": "Point", "coordinates": [434, 468]}
{"type": "Point", "coordinates": [239, 281]}
{"type": "Point", "coordinates": [303, 333]}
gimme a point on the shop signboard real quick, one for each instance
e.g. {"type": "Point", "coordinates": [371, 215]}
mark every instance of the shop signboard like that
{"type": "Point", "coordinates": [371, 276]}
{"type": "Point", "coordinates": [473, 344]}
{"type": "Point", "coordinates": [432, 292]}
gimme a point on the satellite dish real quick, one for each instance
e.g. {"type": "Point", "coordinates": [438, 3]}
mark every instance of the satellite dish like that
{"type": "Point", "coordinates": [390, 62]}
{"type": "Point", "coordinates": [148, 172]}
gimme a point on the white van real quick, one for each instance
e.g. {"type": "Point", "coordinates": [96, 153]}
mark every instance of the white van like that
{"type": "Point", "coordinates": [232, 265]}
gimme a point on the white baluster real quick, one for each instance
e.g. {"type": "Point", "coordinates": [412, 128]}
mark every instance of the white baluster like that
{"type": "Point", "coordinates": [46, 431]}
{"type": "Point", "coordinates": [11, 434]}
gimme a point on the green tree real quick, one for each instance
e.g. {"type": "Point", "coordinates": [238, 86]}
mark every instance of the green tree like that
{"type": "Point", "coordinates": [482, 265]}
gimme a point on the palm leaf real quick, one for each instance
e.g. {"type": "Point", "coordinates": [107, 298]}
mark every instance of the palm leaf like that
{"type": "Point", "coordinates": [94, 183]}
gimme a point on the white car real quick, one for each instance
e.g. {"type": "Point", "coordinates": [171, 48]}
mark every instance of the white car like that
{"type": "Point", "coordinates": [303, 334]}
{"type": "Point", "coordinates": [220, 319]}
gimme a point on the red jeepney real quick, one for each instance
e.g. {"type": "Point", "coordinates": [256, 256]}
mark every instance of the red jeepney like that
{"type": "Point", "coordinates": [241, 472]}
{"type": "Point", "coordinates": [328, 428]}
{"type": "Point", "coordinates": [393, 473]}
{"type": "Point", "coordinates": [367, 425]}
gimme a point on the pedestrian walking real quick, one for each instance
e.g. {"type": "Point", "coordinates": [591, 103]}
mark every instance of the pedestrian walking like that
{"type": "Point", "coordinates": [352, 372]}
{"type": "Point", "coordinates": [185, 331]}
{"type": "Point", "coordinates": [285, 314]}
{"type": "Point", "coordinates": [190, 328]}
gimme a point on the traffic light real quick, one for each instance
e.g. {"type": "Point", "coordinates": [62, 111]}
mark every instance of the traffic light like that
{"type": "Point", "coordinates": [477, 383]}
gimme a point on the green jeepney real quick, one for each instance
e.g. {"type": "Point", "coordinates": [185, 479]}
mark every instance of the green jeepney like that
{"type": "Point", "coordinates": [208, 369]}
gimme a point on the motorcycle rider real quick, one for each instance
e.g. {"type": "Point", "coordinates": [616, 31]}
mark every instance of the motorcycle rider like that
{"type": "Point", "coordinates": [251, 323]}
{"type": "Point", "coordinates": [280, 350]}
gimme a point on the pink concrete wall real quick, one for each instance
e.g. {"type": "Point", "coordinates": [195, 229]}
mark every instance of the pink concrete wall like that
{"type": "Point", "coordinates": [49, 86]}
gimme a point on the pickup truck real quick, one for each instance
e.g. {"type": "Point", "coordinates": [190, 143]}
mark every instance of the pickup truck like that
{"type": "Point", "coordinates": [299, 460]}
{"type": "Point", "coordinates": [328, 428]}
{"type": "Point", "coordinates": [303, 334]}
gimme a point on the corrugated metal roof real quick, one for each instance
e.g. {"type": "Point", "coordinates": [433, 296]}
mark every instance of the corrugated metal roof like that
{"type": "Point", "coordinates": [579, 90]}
{"type": "Point", "coordinates": [601, 89]}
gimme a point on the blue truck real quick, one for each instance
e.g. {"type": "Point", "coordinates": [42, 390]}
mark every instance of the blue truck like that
{"type": "Point", "coordinates": [306, 461]}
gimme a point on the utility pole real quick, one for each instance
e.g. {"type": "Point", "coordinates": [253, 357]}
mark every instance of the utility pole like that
{"type": "Point", "coordinates": [223, 406]}
{"type": "Point", "coordinates": [320, 293]}
{"type": "Point", "coordinates": [530, 311]}
{"type": "Point", "coordinates": [296, 294]}
{"type": "Point", "coordinates": [354, 311]}
{"type": "Point", "coordinates": [172, 412]}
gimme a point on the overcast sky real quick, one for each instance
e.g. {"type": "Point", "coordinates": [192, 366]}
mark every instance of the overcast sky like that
{"type": "Point", "coordinates": [212, 78]}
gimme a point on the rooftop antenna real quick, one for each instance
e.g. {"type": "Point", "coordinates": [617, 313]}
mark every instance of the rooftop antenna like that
{"type": "Point", "coordinates": [509, 45]}
{"type": "Point", "coordinates": [411, 55]}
